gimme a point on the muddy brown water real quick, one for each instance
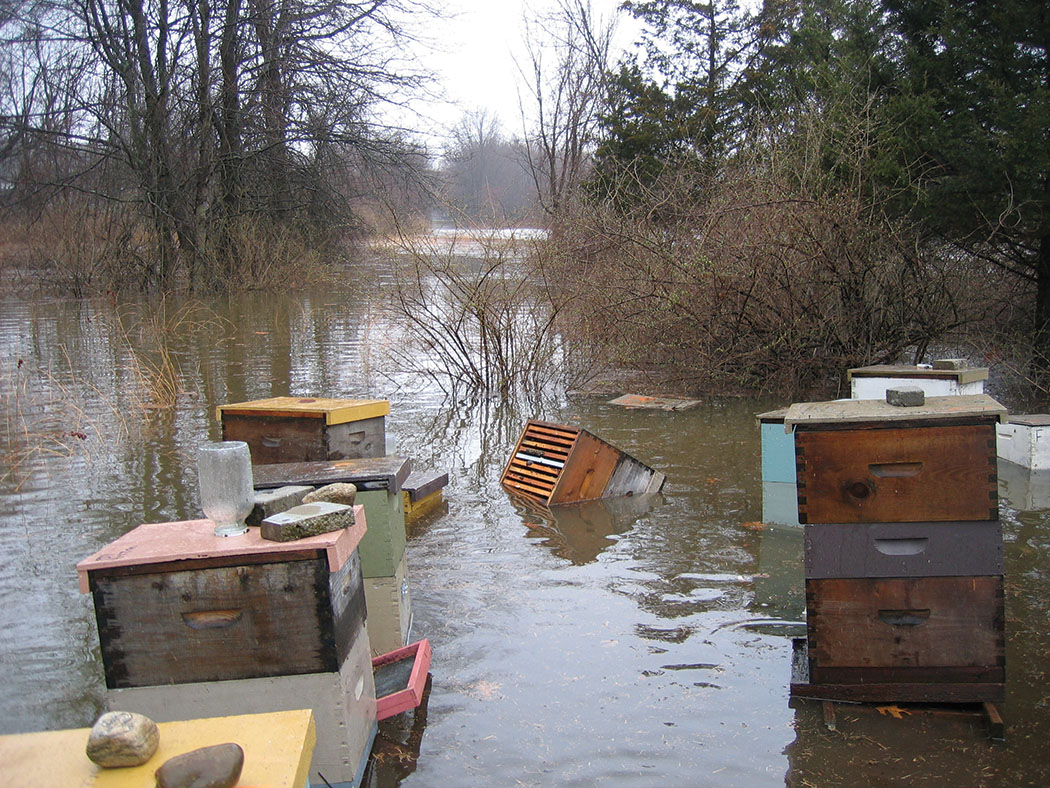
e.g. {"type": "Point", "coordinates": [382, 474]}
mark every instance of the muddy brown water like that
{"type": "Point", "coordinates": [642, 642]}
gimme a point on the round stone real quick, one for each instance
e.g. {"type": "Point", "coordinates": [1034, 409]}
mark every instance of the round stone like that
{"type": "Point", "coordinates": [122, 738]}
{"type": "Point", "coordinates": [218, 766]}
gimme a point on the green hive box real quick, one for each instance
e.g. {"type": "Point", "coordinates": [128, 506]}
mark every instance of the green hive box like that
{"type": "Point", "coordinates": [378, 481]}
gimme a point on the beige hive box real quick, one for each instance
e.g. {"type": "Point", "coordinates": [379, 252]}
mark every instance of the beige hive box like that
{"type": "Point", "coordinates": [307, 429]}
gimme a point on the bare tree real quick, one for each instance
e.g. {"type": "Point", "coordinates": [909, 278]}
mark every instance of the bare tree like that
{"type": "Point", "coordinates": [209, 118]}
{"type": "Point", "coordinates": [565, 72]}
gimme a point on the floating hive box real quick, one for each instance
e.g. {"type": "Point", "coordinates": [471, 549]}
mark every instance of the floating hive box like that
{"type": "Point", "coordinates": [903, 551]}
{"type": "Point", "coordinates": [307, 429]}
{"type": "Point", "coordinates": [401, 677]}
{"type": "Point", "coordinates": [558, 464]}
{"type": "Point", "coordinates": [954, 379]}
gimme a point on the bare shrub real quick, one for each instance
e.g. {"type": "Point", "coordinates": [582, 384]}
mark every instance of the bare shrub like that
{"type": "Point", "coordinates": [477, 321]}
{"type": "Point", "coordinates": [747, 282]}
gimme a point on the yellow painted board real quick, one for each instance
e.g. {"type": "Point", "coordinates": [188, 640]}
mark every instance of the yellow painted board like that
{"type": "Point", "coordinates": [334, 411]}
{"type": "Point", "coordinates": [277, 748]}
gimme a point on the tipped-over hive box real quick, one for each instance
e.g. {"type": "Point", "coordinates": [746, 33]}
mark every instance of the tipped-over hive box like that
{"type": "Point", "coordinates": [558, 464]}
{"type": "Point", "coordinates": [307, 429]}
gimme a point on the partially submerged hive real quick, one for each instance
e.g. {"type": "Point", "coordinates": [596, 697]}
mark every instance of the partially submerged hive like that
{"type": "Point", "coordinates": [558, 464]}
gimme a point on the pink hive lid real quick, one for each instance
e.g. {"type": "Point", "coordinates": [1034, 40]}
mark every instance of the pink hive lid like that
{"type": "Point", "coordinates": [156, 543]}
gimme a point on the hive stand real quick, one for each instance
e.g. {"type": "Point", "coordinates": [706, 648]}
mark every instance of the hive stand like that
{"type": "Point", "coordinates": [903, 551]}
{"type": "Point", "coordinates": [558, 464]}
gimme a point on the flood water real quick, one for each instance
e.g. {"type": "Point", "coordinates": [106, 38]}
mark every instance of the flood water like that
{"type": "Point", "coordinates": [639, 642]}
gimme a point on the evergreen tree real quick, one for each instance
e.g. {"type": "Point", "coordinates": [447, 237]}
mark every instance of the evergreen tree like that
{"type": "Point", "coordinates": [977, 76]}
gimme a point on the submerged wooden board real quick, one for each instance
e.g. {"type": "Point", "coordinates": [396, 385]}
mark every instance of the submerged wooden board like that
{"type": "Point", "coordinates": [277, 748]}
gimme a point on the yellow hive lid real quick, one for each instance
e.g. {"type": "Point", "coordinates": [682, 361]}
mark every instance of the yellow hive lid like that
{"type": "Point", "coordinates": [334, 411]}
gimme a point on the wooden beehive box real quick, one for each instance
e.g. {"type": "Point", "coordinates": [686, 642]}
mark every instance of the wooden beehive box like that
{"type": "Point", "coordinates": [872, 382]}
{"type": "Point", "coordinates": [558, 464]}
{"type": "Point", "coordinates": [905, 611]}
{"type": "Point", "coordinates": [175, 604]}
{"type": "Point", "coordinates": [307, 429]}
{"type": "Point", "coordinates": [867, 461]}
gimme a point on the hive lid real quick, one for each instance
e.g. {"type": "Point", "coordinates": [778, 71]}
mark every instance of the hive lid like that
{"type": "Point", "coordinates": [1031, 419]}
{"type": "Point", "coordinates": [964, 375]}
{"type": "Point", "coordinates": [389, 473]}
{"type": "Point", "coordinates": [159, 543]}
{"type": "Point", "coordinates": [846, 411]}
{"type": "Point", "coordinates": [334, 411]}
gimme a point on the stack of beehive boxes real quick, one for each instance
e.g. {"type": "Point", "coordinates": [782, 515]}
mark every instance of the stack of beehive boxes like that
{"type": "Point", "coordinates": [196, 625]}
{"type": "Point", "coordinates": [903, 550]}
{"type": "Point", "coordinates": [317, 441]}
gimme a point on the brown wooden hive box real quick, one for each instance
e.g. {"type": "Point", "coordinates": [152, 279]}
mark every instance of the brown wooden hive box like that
{"type": "Point", "coordinates": [559, 464]}
{"type": "Point", "coordinates": [269, 611]}
{"type": "Point", "coordinates": [307, 429]}
{"type": "Point", "coordinates": [865, 461]}
{"type": "Point", "coordinates": [927, 638]}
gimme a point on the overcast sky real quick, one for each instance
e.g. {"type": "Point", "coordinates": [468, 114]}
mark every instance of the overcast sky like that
{"type": "Point", "coordinates": [475, 63]}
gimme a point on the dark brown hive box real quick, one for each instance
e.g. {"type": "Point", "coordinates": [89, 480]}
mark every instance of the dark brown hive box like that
{"type": "Point", "coordinates": [867, 461]}
{"type": "Point", "coordinates": [307, 429]}
{"type": "Point", "coordinates": [903, 551]}
{"type": "Point", "coordinates": [176, 604]}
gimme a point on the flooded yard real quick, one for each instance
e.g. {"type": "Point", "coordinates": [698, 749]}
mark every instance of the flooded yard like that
{"type": "Point", "coordinates": [635, 642]}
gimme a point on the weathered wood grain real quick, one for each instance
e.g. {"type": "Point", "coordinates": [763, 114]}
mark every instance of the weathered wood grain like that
{"type": "Point", "coordinates": [897, 474]}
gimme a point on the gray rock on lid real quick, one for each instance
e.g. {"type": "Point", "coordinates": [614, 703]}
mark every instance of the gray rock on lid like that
{"type": "Point", "coordinates": [906, 396]}
{"type": "Point", "coordinates": [308, 519]}
{"type": "Point", "coordinates": [122, 738]}
{"type": "Point", "coordinates": [340, 492]}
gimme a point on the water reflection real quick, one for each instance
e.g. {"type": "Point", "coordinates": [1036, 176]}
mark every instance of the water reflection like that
{"type": "Point", "coordinates": [621, 648]}
{"type": "Point", "coordinates": [580, 532]}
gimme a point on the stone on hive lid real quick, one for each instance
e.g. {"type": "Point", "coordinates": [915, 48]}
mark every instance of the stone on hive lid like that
{"type": "Point", "coordinates": [949, 363]}
{"type": "Point", "coordinates": [218, 766]}
{"type": "Point", "coordinates": [273, 502]}
{"type": "Point", "coordinates": [308, 519]}
{"type": "Point", "coordinates": [905, 396]}
{"type": "Point", "coordinates": [339, 492]}
{"type": "Point", "coordinates": [122, 738]}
